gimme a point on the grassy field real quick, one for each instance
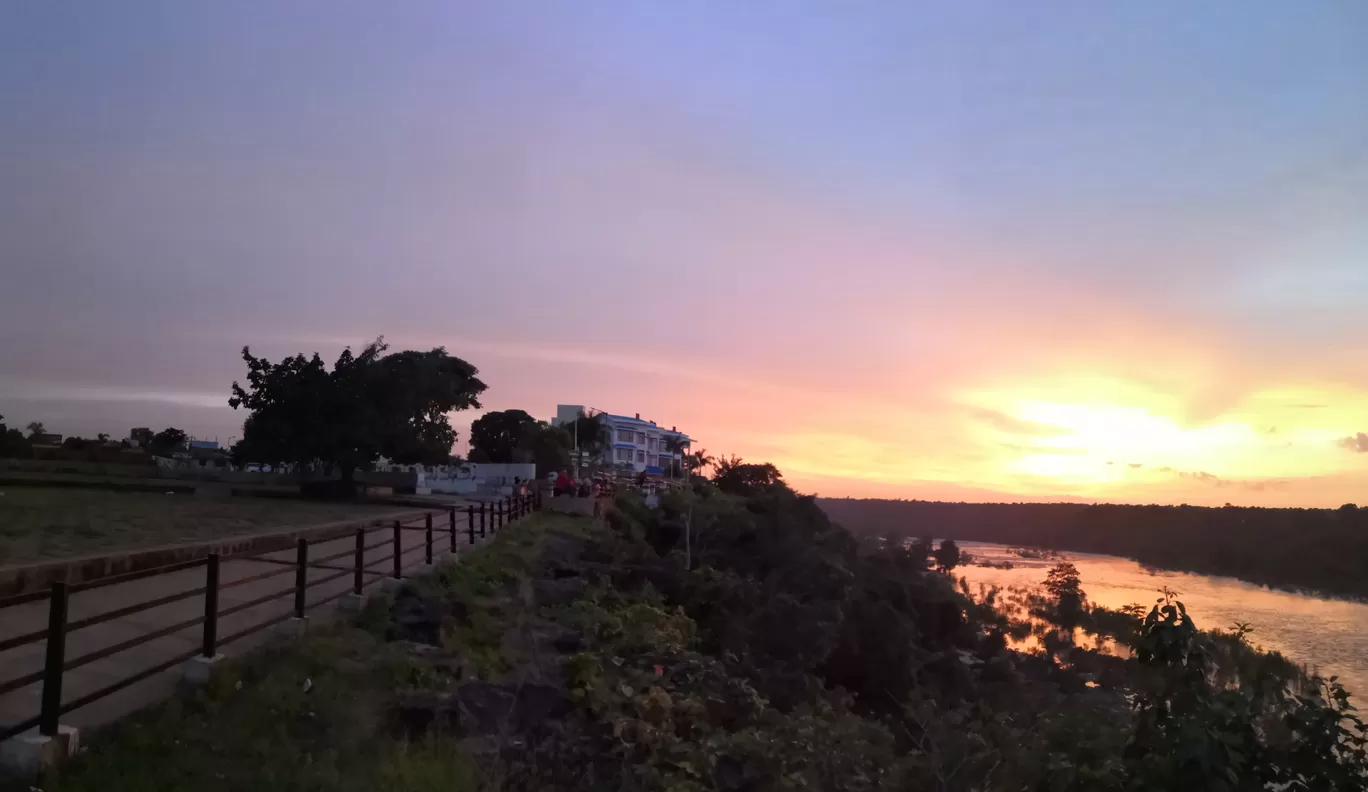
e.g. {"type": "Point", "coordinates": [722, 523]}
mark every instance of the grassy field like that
{"type": "Point", "coordinates": [38, 524]}
{"type": "Point", "coordinates": [302, 716]}
{"type": "Point", "coordinates": [317, 714]}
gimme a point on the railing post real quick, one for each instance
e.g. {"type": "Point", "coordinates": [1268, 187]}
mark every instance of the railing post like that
{"type": "Point", "coordinates": [398, 548]}
{"type": "Point", "coordinates": [357, 579]}
{"type": "Point", "coordinates": [427, 537]}
{"type": "Point", "coordinates": [470, 522]}
{"type": "Point", "coordinates": [301, 576]}
{"type": "Point", "coordinates": [56, 656]}
{"type": "Point", "coordinates": [482, 518]}
{"type": "Point", "coordinates": [451, 523]}
{"type": "Point", "coordinates": [498, 515]}
{"type": "Point", "coordinates": [211, 587]}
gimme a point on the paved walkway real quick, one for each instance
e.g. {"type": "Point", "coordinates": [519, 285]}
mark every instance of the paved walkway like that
{"type": "Point", "coordinates": [24, 703]}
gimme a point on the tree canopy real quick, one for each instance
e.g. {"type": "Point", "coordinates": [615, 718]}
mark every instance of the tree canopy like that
{"type": "Point", "coordinates": [738, 477]}
{"type": "Point", "coordinates": [947, 555]}
{"type": "Point", "coordinates": [508, 436]}
{"type": "Point", "coordinates": [496, 436]}
{"type": "Point", "coordinates": [370, 404]}
{"type": "Point", "coordinates": [141, 437]}
{"type": "Point", "coordinates": [168, 441]}
{"type": "Point", "coordinates": [12, 442]}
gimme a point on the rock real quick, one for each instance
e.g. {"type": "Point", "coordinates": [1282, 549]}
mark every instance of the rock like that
{"type": "Point", "coordinates": [569, 643]}
{"type": "Point", "coordinates": [487, 708]}
{"type": "Point", "coordinates": [560, 553]}
{"type": "Point", "coordinates": [417, 618]}
{"type": "Point", "coordinates": [416, 713]}
{"type": "Point", "coordinates": [562, 591]}
{"type": "Point", "coordinates": [538, 703]}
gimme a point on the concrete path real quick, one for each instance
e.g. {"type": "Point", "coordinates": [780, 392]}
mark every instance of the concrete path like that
{"type": "Point", "coordinates": [24, 703]}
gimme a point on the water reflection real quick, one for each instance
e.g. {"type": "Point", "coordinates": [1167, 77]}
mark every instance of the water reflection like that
{"type": "Point", "coordinates": [1328, 636]}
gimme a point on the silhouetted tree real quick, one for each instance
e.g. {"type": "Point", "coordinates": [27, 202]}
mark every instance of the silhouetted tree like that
{"type": "Point", "coordinates": [496, 436]}
{"type": "Point", "coordinates": [947, 555]}
{"type": "Point", "coordinates": [738, 477]}
{"type": "Point", "coordinates": [369, 404]}
{"type": "Point", "coordinates": [13, 444]}
{"type": "Point", "coordinates": [141, 437]}
{"type": "Point", "coordinates": [1062, 582]}
{"type": "Point", "coordinates": [697, 461]}
{"type": "Point", "coordinates": [35, 429]}
{"type": "Point", "coordinates": [168, 441]}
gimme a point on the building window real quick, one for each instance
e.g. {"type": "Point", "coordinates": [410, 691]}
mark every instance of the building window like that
{"type": "Point", "coordinates": [650, 443]}
{"type": "Point", "coordinates": [625, 435]}
{"type": "Point", "coordinates": [641, 438]}
{"type": "Point", "coordinates": [641, 456]}
{"type": "Point", "coordinates": [624, 455]}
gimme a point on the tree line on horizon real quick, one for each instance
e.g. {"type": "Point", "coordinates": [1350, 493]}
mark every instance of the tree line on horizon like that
{"type": "Point", "coordinates": [19, 444]}
{"type": "Point", "coordinates": [1303, 549]}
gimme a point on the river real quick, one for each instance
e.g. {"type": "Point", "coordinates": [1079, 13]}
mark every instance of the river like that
{"type": "Point", "coordinates": [1327, 635]}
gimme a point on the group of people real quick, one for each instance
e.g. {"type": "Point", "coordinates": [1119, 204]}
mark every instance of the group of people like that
{"type": "Point", "coordinates": [563, 483]}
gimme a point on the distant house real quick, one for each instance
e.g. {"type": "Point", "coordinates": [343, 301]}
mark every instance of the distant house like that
{"type": "Point", "coordinates": [634, 443]}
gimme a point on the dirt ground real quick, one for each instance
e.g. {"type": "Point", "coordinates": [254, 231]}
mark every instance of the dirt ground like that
{"type": "Point", "coordinates": [38, 524]}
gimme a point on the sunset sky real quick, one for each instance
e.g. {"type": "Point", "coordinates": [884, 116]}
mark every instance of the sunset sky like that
{"type": "Point", "coordinates": [960, 250]}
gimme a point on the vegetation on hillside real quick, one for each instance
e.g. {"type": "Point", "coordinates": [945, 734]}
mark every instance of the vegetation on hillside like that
{"type": "Point", "coordinates": [1307, 549]}
{"type": "Point", "coordinates": [736, 639]}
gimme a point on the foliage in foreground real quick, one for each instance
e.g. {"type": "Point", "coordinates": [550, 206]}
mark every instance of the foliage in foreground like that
{"type": "Point", "coordinates": [303, 716]}
{"type": "Point", "coordinates": [743, 642]}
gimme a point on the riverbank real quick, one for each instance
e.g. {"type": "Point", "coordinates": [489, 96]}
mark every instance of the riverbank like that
{"type": "Point", "coordinates": [732, 639]}
{"type": "Point", "coordinates": [1320, 551]}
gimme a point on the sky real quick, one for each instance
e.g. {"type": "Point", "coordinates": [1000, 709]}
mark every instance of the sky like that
{"type": "Point", "coordinates": [960, 250]}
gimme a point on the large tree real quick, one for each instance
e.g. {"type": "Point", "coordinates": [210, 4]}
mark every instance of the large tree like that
{"type": "Point", "coordinates": [735, 475]}
{"type": "Point", "coordinates": [141, 437]}
{"type": "Point", "coordinates": [370, 404]}
{"type": "Point", "coordinates": [13, 443]}
{"type": "Point", "coordinates": [508, 436]}
{"type": "Point", "coordinates": [496, 436]}
{"type": "Point", "coordinates": [168, 441]}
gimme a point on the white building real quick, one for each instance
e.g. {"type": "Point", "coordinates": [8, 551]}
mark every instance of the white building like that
{"type": "Point", "coordinates": [633, 443]}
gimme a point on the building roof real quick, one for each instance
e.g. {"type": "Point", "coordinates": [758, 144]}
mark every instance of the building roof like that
{"type": "Point", "coordinates": [637, 422]}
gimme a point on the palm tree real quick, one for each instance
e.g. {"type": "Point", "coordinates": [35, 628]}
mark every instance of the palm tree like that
{"type": "Point", "coordinates": [676, 444]}
{"type": "Point", "coordinates": [35, 429]}
{"type": "Point", "coordinates": [698, 460]}
{"type": "Point", "coordinates": [590, 434]}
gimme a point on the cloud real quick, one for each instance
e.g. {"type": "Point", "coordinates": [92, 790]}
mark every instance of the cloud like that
{"type": "Point", "coordinates": [1006, 423]}
{"type": "Point", "coordinates": [1252, 485]}
{"type": "Point", "coordinates": [1136, 464]}
{"type": "Point", "coordinates": [1203, 476]}
{"type": "Point", "coordinates": [1357, 443]}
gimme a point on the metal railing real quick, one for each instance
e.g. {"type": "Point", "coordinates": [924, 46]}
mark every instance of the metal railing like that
{"type": "Point", "coordinates": [56, 664]}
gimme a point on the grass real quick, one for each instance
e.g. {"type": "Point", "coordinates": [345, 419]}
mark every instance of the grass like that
{"type": "Point", "coordinates": [312, 713]}
{"type": "Point", "coordinates": [305, 715]}
{"type": "Point", "coordinates": [38, 524]}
